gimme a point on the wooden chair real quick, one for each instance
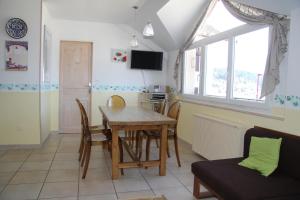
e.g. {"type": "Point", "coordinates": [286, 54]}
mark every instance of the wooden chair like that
{"type": "Point", "coordinates": [173, 112]}
{"type": "Point", "coordinates": [116, 101]}
{"type": "Point", "coordinates": [90, 140]}
{"type": "Point", "coordinates": [98, 129]}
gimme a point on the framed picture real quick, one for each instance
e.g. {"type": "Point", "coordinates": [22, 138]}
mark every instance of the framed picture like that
{"type": "Point", "coordinates": [16, 55]}
{"type": "Point", "coordinates": [119, 56]}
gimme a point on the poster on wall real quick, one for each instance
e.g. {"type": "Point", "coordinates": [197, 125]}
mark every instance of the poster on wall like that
{"type": "Point", "coordinates": [119, 56]}
{"type": "Point", "coordinates": [16, 56]}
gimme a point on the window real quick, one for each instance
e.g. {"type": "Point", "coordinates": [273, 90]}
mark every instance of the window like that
{"type": "Point", "coordinates": [216, 69]}
{"type": "Point", "coordinates": [250, 55]}
{"type": "Point", "coordinates": [227, 60]}
{"type": "Point", "coordinates": [214, 22]}
{"type": "Point", "coordinates": [192, 71]}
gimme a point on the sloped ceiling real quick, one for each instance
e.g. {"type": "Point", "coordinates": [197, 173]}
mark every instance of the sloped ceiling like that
{"type": "Point", "coordinates": [110, 11]}
{"type": "Point", "coordinates": [173, 20]}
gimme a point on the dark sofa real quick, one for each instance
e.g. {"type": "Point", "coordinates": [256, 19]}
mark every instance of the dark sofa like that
{"type": "Point", "coordinates": [225, 179]}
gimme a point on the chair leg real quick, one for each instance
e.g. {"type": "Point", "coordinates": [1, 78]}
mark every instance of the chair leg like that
{"type": "Point", "coordinates": [140, 144]}
{"type": "Point", "coordinates": [176, 150]}
{"type": "Point", "coordinates": [84, 149]}
{"type": "Point", "coordinates": [148, 148]}
{"type": "Point", "coordinates": [80, 148]}
{"type": "Point", "coordinates": [121, 154]}
{"type": "Point", "coordinates": [196, 189]}
{"type": "Point", "coordinates": [168, 149]}
{"type": "Point", "coordinates": [157, 143]}
{"type": "Point", "coordinates": [87, 160]}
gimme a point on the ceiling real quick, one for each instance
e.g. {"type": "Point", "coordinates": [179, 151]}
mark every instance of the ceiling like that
{"type": "Point", "coordinates": [110, 11]}
{"type": "Point", "coordinates": [173, 20]}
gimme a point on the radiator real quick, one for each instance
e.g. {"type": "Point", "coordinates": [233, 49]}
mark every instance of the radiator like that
{"type": "Point", "coordinates": [215, 138]}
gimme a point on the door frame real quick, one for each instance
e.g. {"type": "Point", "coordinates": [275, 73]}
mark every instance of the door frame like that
{"type": "Point", "coordinates": [60, 103]}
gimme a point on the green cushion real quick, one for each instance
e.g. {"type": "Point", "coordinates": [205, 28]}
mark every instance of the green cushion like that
{"type": "Point", "coordinates": [263, 155]}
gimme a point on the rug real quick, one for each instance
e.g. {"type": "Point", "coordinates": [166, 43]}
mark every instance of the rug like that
{"type": "Point", "coordinates": [152, 198]}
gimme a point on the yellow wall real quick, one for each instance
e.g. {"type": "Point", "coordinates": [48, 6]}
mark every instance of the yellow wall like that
{"type": "Point", "coordinates": [19, 118]}
{"type": "Point", "coordinates": [97, 98]}
{"type": "Point", "coordinates": [289, 122]}
{"type": "Point", "coordinates": [54, 110]}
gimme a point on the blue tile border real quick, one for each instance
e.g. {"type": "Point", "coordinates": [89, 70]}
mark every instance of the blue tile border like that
{"type": "Point", "coordinates": [117, 88]}
{"type": "Point", "coordinates": [287, 100]}
{"type": "Point", "coordinates": [22, 87]}
{"type": "Point", "coordinates": [55, 87]}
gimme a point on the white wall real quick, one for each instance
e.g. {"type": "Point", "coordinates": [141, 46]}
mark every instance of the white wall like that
{"type": "Point", "coordinates": [30, 13]}
{"type": "Point", "coordinates": [104, 37]}
{"type": "Point", "coordinates": [293, 72]}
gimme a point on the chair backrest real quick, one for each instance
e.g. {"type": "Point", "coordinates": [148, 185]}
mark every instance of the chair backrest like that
{"type": "Point", "coordinates": [116, 101]}
{"type": "Point", "coordinates": [84, 120]}
{"type": "Point", "coordinates": [174, 110]}
{"type": "Point", "coordinates": [160, 107]}
{"type": "Point", "coordinates": [79, 105]}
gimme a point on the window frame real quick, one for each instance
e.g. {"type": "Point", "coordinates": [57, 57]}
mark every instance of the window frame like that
{"type": "Point", "coordinates": [228, 100]}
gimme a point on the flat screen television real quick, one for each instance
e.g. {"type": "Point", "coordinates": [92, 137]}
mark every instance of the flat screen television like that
{"type": "Point", "coordinates": [150, 60]}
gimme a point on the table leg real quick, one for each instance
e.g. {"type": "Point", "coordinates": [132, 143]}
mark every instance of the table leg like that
{"type": "Point", "coordinates": [163, 150]}
{"type": "Point", "coordinates": [115, 154]}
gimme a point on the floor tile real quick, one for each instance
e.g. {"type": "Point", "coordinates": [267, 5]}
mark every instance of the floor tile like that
{"type": "Point", "coordinates": [2, 186]}
{"type": "Point", "coordinates": [45, 149]}
{"type": "Point", "coordinates": [67, 148]}
{"type": "Point", "coordinates": [5, 177]}
{"type": "Point", "coordinates": [2, 152]}
{"type": "Point", "coordinates": [38, 165]}
{"type": "Point", "coordinates": [135, 195]}
{"type": "Point", "coordinates": [9, 166]}
{"type": "Point", "coordinates": [96, 174]}
{"type": "Point", "coordinates": [175, 193]}
{"type": "Point", "coordinates": [41, 157]}
{"type": "Point", "coordinates": [62, 198]}
{"type": "Point", "coordinates": [158, 182]}
{"type": "Point", "coordinates": [62, 189]}
{"type": "Point", "coordinates": [62, 175]}
{"type": "Point", "coordinates": [66, 156]}
{"type": "Point", "coordinates": [23, 177]}
{"type": "Point", "coordinates": [97, 163]}
{"type": "Point", "coordinates": [99, 197]}
{"type": "Point", "coordinates": [186, 179]}
{"type": "Point", "coordinates": [19, 151]}
{"type": "Point", "coordinates": [21, 191]}
{"type": "Point", "coordinates": [13, 157]}
{"type": "Point", "coordinates": [130, 184]}
{"type": "Point", "coordinates": [65, 164]}
{"type": "Point", "coordinates": [96, 187]}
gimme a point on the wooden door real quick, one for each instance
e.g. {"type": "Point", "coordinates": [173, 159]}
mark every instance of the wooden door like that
{"type": "Point", "coordinates": [75, 82]}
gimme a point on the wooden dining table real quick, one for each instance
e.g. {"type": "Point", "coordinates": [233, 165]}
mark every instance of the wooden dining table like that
{"type": "Point", "coordinates": [136, 119]}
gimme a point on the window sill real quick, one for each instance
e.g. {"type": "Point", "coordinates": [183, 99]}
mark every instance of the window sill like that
{"type": "Point", "coordinates": [261, 112]}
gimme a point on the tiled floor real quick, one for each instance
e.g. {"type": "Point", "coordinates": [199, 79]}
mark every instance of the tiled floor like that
{"type": "Point", "coordinates": [53, 172]}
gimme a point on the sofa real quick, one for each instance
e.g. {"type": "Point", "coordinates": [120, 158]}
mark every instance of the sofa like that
{"type": "Point", "coordinates": [225, 179]}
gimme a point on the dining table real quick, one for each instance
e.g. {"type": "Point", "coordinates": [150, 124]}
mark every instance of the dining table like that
{"type": "Point", "coordinates": [136, 118]}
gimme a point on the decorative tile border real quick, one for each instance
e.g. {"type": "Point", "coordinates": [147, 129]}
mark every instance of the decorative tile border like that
{"type": "Point", "coordinates": [49, 87]}
{"type": "Point", "coordinates": [289, 100]}
{"type": "Point", "coordinates": [99, 88]}
{"type": "Point", "coordinates": [55, 87]}
{"type": "Point", "coordinates": [26, 87]}
{"type": "Point", "coordinates": [18, 87]}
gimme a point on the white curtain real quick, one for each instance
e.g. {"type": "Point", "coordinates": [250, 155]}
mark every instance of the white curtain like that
{"type": "Point", "coordinates": [178, 69]}
{"type": "Point", "coordinates": [277, 43]}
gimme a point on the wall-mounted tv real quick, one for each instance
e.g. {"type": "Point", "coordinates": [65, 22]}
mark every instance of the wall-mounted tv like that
{"type": "Point", "coordinates": [150, 60]}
